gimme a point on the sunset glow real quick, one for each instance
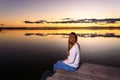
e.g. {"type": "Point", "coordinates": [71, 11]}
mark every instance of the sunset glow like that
{"type": "Point", "coordinates": [15, 12]}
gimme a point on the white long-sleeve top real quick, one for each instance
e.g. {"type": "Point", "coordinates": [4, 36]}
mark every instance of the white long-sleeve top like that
{"type": "Point", "coordinates": [73, 59]}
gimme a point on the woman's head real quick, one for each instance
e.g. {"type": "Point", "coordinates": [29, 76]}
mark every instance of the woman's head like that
{"type": "Point", "coordinates": [72, 38]}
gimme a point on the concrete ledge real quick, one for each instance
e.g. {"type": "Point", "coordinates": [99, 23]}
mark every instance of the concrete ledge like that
{"type": "Point", "coordinates": [88, 71]}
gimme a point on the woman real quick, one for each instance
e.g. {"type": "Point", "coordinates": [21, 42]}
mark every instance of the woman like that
{"type": "Point", "coordinates": [72, 62]}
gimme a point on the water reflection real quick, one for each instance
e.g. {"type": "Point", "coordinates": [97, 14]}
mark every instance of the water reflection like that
{"type": "Point", "coordinates": [27, 57]}
{"type": "Point", "coordinates": [0, 30]}
{"type": "Point", "coordinates": [65, 35]}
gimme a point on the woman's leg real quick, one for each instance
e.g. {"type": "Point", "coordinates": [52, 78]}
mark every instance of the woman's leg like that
{"type": "Point", "coordinates": [63, 66]}
{"type": "Point", "coordinates": [57, 65]}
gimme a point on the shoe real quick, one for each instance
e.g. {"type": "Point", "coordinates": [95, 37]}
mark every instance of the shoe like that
{"type": "Point", "coordinates": [52, 72]}
{"type": "Point", "coordinates": [47, 74]}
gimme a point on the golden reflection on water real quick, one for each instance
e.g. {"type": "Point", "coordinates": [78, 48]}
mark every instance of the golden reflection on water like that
{"type": "Point", "coordinates": [62, 31]}
{"type": "Point", "coordinates": [77, 31]}
{"type": "Point", "coordinates": [20, 34]}
{"type": "Point", "coordinates": [94, 48]}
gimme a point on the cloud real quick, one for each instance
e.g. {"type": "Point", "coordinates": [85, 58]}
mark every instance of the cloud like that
{"type": "Point", "coordinates": [28, 22]}
{"type": "Point", "coordinates": [2, 24]}
{"type": "Point", "coordinates": [41, 21]}
{"type": "Point", "coordinates": [70, 20]}
{"type": "Point", "coordinates": [67, 19]}
{"type": "Point", "coordinates": [109, 20]}
{"type": "Point", "coordinates": [37, 22]}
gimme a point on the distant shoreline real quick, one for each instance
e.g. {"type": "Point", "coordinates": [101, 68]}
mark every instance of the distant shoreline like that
{"type": "Point", "coordinates": [58, 28]}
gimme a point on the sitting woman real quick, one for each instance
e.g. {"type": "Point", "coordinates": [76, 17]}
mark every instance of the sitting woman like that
{"type": "Point", "coordinates": [72, 62]}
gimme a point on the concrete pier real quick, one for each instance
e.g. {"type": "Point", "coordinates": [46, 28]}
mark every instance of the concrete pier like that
{"type": "Point", "coordinates": [88, 71]}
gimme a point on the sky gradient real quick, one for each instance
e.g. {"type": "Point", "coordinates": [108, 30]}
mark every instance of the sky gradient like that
{"type": "Point", "coordinates": [13, 13]}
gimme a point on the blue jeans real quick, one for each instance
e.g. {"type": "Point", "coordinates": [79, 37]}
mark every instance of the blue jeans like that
{"type": "Point", "coordinates": [63, 66]}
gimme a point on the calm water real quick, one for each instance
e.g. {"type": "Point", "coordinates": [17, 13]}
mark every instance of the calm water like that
{"type": "Point", "coordinates": [27, 56]}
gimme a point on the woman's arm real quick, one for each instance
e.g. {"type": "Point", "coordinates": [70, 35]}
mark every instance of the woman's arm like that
{"type": "Point", "coordinates": [69, 47]}
{"type": "Point", "coordinates": [71, 58]}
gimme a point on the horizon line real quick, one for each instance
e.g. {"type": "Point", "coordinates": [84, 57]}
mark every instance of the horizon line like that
{"type": "Point", "coordinates": [58, 28]}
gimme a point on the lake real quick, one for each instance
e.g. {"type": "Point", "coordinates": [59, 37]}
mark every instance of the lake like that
{"type": "Point", "coordinates": [25, 54]}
